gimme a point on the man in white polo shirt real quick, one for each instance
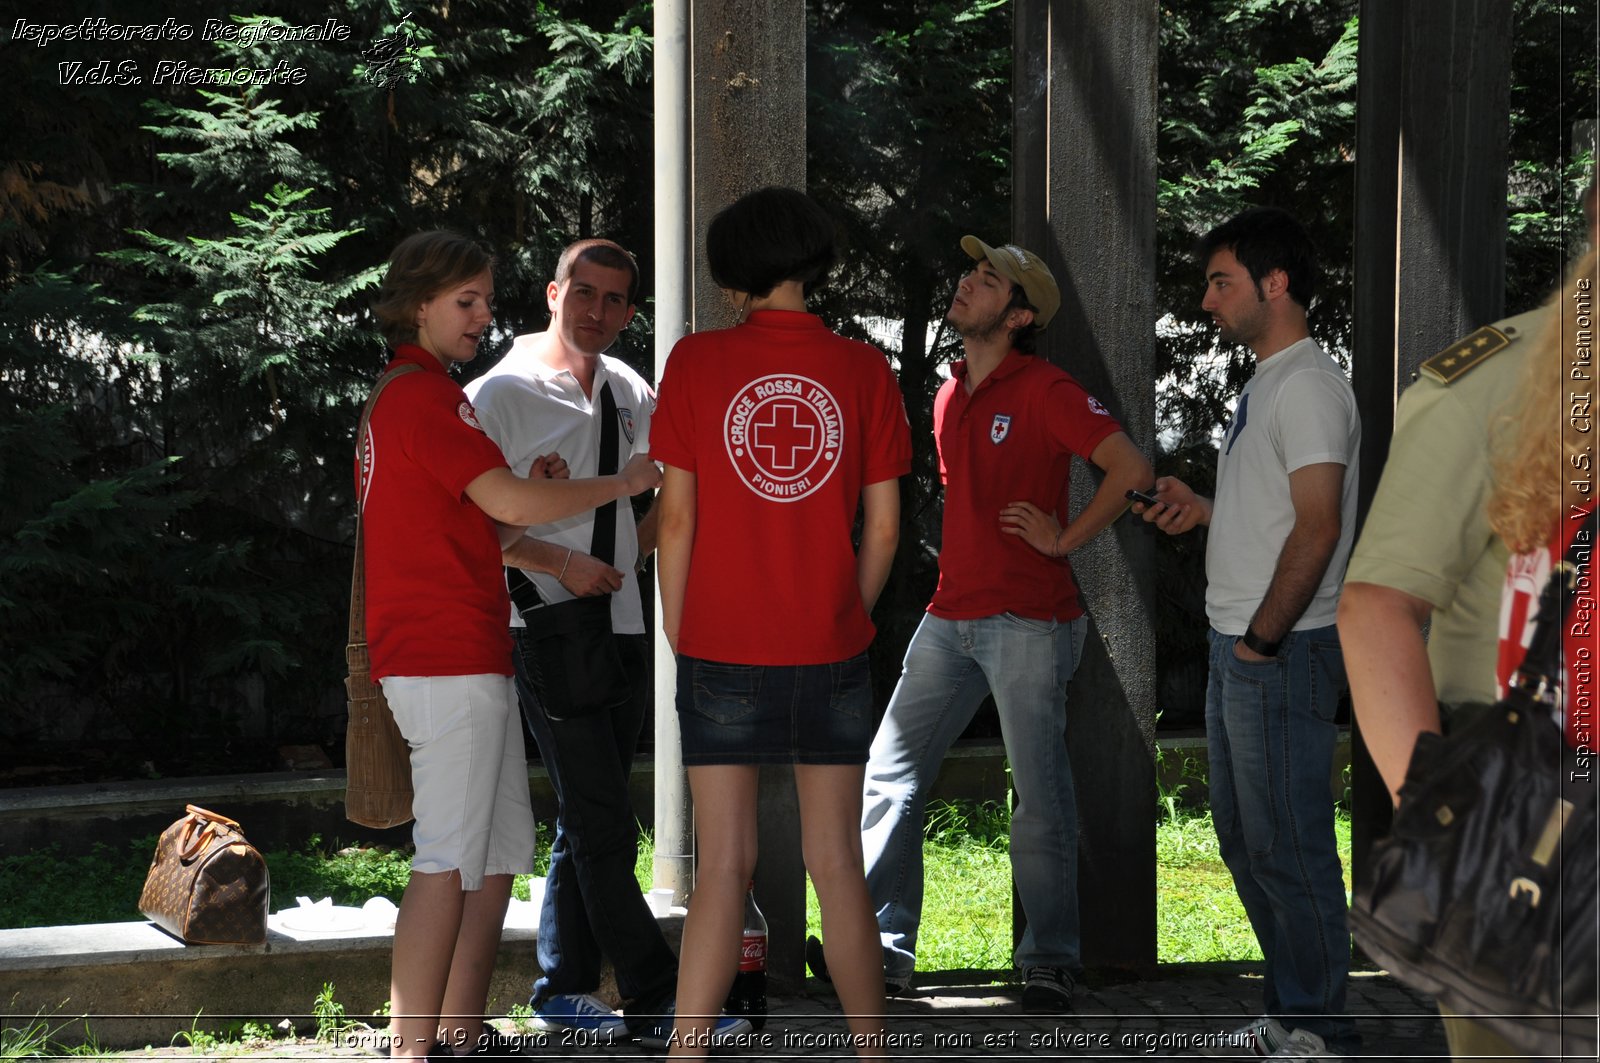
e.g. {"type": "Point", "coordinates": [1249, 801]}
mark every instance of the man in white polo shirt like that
{"type": "Point", "coordinates": [546, 397]}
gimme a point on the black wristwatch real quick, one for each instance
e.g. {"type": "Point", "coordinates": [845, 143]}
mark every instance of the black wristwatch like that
{"type": "Point", "coordinates": [1256, 644]}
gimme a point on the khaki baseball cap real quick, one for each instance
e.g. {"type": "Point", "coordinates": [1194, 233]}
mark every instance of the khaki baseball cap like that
{"type": "Point", "coordinates": [1025, 268]}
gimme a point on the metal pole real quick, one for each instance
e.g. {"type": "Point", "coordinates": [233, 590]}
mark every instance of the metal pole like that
{"type": "Point", "coordinates": [674, 818]}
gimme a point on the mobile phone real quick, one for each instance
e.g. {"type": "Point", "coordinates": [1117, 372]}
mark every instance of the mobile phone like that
{"type": "Point", "coordinates": [1141, 496]}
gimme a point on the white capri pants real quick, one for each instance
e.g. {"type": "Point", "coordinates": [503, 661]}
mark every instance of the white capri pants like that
{"type": "Point", "coordinates": [469, 774]}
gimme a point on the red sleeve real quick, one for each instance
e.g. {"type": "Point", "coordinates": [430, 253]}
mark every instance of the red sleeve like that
{"type": "Point", "coordinates": [889, 433]}
{"type": "Point", "coordinates": [1078, 421]}
{"type": "Point", "coordinates": [439, 431]}
{"type": "Point", "coordinates": [672, 424]}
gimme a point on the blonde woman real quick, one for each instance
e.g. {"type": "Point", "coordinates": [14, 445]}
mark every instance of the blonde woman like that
{"type": "Point", "coordinates": [1544, 485]}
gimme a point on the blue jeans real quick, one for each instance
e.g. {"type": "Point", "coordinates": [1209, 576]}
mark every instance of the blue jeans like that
{"type": "Point", "coordinates": [1271, 735]}
{"type": "Point", "coordinates": [593, 906]}
{"type": "Point", "coordinates": [949, 667]}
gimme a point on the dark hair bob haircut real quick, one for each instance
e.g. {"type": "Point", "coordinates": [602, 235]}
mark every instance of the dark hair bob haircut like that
{"type": "Point", "coordinates": [422, 266]}
{"type": "Point", "coordinates": [767, 237]}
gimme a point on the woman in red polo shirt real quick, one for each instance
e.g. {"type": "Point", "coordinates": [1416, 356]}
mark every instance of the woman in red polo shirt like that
{"type": "Point", "coordinates": [774, 433]}
{"type": "Point", "coordinates": [432, 489]}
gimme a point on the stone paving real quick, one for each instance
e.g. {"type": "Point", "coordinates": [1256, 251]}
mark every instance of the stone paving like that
{"type": "Point", "coordinates": [967, 1015]}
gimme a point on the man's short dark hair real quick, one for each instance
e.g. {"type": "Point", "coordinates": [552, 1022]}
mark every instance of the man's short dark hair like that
{"type": "Point", "coordinates": [767, 237]}
{"type": "Point", "coordinates": [1264, 239]}
{"type": "Point", "coordinates": [607, 253]}
{"type": "Point", "coordinates": [1024, 337]}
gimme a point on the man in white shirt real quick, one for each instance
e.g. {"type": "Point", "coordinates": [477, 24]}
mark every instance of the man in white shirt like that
{"type": "Point", "coordinates": [545, 398]}
{"type": "Point", "coordinates": [1281, 527]}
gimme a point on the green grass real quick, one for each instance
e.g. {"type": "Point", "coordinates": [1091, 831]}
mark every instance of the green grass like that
{"type": "Point", "coordinates": [47, 1037]}
{"type": "Point", "coordinates": [1198, 914]}
{"type": "Point", "coordinates": [966, 905]}
{"type": "Point", "coordinates": [966, 910]}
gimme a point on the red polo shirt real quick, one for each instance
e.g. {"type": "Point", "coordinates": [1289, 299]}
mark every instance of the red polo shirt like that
{"type": "Point", "coordinates": [436, 596]}
{"type": "Point", "coordinates": [783, 423]}
{"type": "Point", "coordinates": [1011, 440]}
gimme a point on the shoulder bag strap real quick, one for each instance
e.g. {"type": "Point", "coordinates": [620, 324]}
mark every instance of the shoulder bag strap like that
{"type": "Point", "coordinates": [358, 582]}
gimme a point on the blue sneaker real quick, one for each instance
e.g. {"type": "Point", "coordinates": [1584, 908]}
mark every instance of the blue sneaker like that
{"type": "Point", "coordinates": [578, 1011]}
{"type": "Point", "coordinates": [727, 1029]}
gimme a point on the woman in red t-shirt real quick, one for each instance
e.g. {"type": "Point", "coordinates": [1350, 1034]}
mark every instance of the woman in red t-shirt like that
{"type": "Point", "coordinates": [432, 488]}
{"type": "Point", "coordinates": [1544, 492]}
{"type": "Point", "coordinates": [774, 433]}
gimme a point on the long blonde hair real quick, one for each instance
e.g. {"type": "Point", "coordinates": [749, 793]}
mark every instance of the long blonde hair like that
{"type": "Point", "coordinates": [1548, 433]}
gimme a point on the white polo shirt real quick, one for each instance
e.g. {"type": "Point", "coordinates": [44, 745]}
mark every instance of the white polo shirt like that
{"type": "Point", "coordinates": [531, 409]}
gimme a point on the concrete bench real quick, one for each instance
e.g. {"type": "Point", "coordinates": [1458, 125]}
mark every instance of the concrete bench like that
{"type": "Point", "coordinates": [138, 985]}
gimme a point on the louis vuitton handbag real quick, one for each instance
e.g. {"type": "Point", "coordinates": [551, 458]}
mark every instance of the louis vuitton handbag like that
{"type": "Point", "coordinates": [207, 885]}
{"type": "Point", "coordinates": [377, 758]}
{"type": "Point", "coordinates": [1484, 894]}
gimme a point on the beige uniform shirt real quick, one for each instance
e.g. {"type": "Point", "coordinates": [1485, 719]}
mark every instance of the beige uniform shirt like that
{"type": "Point", "coordinates": [1428, 533]}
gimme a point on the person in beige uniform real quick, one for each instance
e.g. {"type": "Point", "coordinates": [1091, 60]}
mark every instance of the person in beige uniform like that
{"type": "Point", "coordinates": [1426, 551]}
{"type": "Point", "coordinates": [1427, 557]}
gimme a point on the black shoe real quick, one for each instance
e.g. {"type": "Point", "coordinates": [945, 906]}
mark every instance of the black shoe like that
{"type": "Point", "coordinates": [439, 1052]}
{"type": "Point", "coordinates": [819, 969]}
{"type": "Point", "coordinates": [1046, 990]}
{"type": "Point", "coordinates": [816, 960]}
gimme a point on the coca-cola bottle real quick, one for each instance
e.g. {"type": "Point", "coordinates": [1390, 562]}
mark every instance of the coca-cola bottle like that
{"type": "Point", "coordinates": [749, 995]}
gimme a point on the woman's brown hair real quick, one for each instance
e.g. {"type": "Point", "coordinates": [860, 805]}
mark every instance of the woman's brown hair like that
{"type": "Point", "coordinates": [421, 267]}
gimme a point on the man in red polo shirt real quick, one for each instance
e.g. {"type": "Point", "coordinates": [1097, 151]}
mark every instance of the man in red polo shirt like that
{"type": "Point", "coordinates": [1005, 619]}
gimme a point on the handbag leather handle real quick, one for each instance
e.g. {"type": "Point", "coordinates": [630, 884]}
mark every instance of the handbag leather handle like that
{"type": "Point", "coordinates": [196, 810]}
{"type": "Point", "coordinates": [195, 841]}
{"type": "Point", "coordinates": [210, 825]}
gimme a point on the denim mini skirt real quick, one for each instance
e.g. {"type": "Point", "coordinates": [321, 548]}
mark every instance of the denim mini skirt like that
{"type": "Point", "coordinates": [775, 714]}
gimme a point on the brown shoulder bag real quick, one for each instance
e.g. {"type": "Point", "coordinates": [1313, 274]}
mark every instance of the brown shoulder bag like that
{"type": "Point", "coordinates": [376, 757]}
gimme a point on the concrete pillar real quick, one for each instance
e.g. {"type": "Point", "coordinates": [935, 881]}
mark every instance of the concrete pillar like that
{"type": "Point", "coordinates": [1084, 196]}
{"type": "Point", "coordinates": [736, 108]}
{"type": "Point", "coordinates": [1433, 124]}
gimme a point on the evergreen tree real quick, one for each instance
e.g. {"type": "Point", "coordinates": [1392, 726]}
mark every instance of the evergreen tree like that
{"type": "Point", "coordinates": [176, 416]}
{"type": "Point", "coordinates": [908, 146]}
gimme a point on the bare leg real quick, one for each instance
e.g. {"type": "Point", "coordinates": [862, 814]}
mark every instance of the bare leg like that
{"type": "Point", "coordinates": [425, 934]}
{"type": "Point", "coordinates": [483, 917]}
{"type": "Point", "coordinates": [725, 836]}
{"type": "Point", "coordinates": [830, 838]}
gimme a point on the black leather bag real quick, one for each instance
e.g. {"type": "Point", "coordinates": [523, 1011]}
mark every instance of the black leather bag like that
{"type": "Point", "coordinates": [1484, 893]}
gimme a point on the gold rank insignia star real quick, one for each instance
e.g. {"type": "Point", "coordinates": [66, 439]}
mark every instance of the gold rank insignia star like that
{"type": "Point", "coordinates": [1457, 359]}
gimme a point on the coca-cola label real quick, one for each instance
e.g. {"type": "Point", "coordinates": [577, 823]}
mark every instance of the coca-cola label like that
{"type": "Point", "coordinates": [753, 956]}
